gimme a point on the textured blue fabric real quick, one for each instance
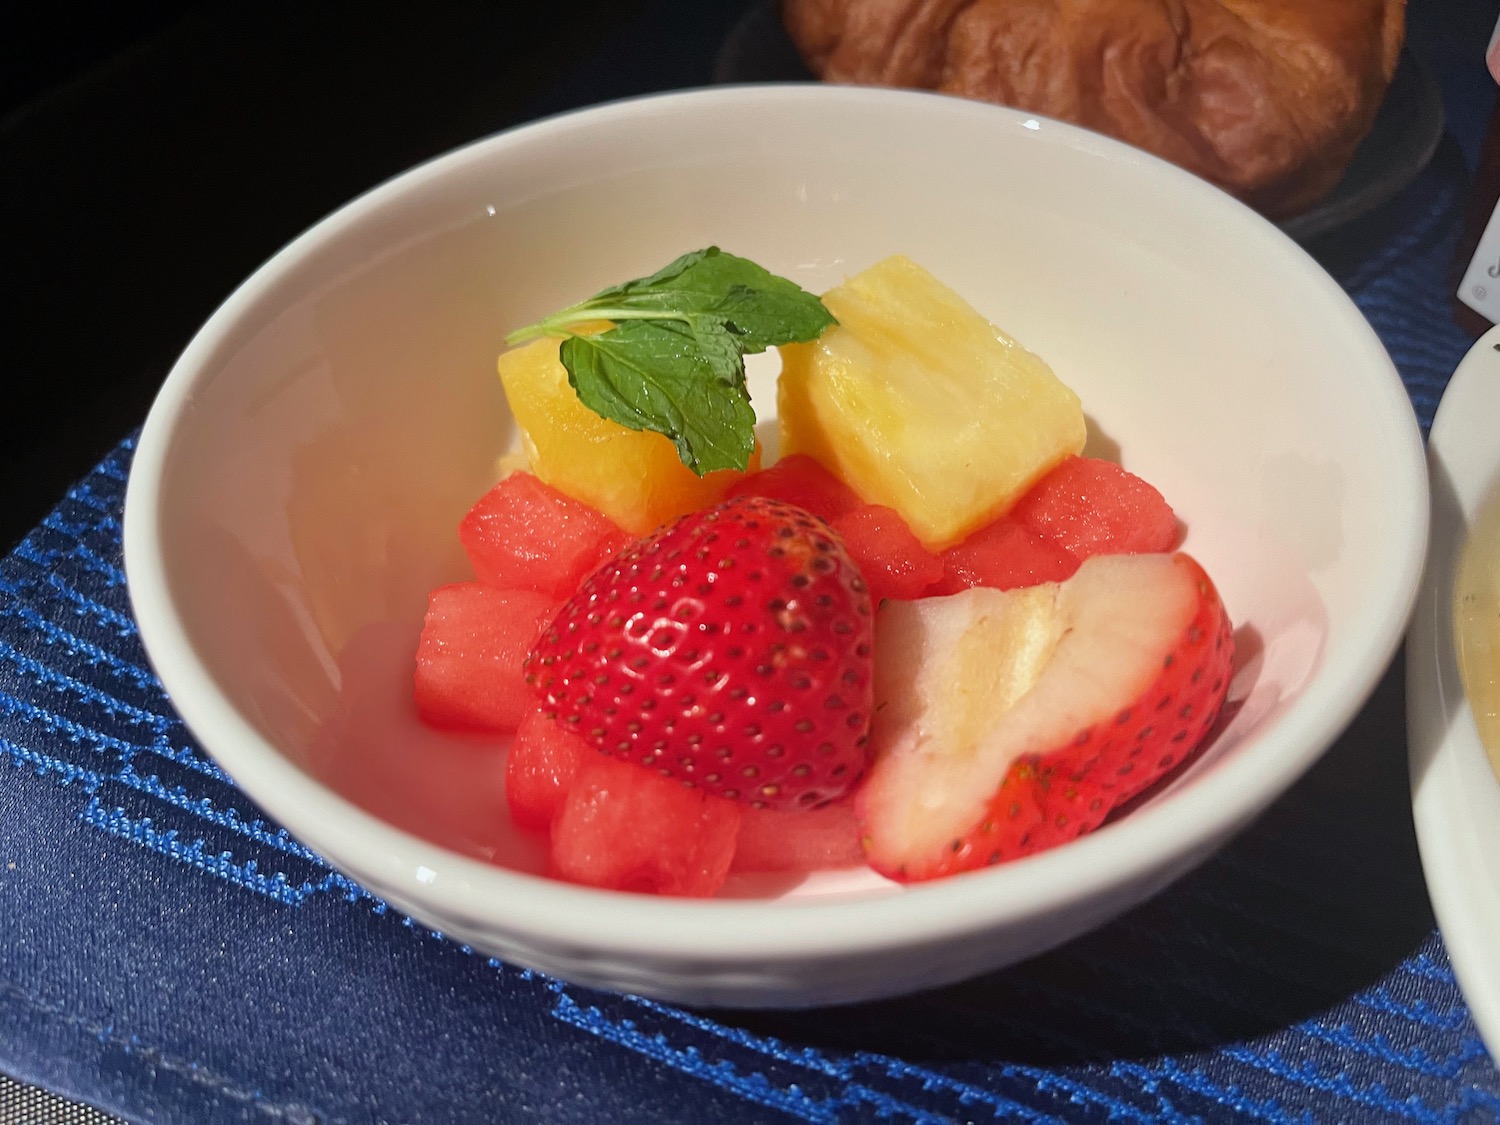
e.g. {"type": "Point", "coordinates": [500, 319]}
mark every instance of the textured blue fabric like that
{"type": "Point", "coordinates": [168, 953]}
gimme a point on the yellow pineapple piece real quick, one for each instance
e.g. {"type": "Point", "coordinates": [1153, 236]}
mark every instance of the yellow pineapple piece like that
{"type": "Point", "coordinates": [921, 404]}
{"type": "Point", "coordinates": [633, 477]}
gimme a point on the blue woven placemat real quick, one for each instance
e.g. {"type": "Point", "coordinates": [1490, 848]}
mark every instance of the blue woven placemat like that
{"type": "Point", "coordinates": [168, 953]}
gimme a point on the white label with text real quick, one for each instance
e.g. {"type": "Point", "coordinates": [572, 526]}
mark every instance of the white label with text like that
{"type": "Point", "coordinates": [1480, 288]}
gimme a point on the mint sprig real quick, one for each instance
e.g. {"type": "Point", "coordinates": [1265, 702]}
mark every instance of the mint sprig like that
{"type": "Point", "coordinates": [674, 361]}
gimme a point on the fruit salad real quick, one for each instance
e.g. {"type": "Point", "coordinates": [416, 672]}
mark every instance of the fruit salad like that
{"type": "Point", "coordinates": [931, 637]}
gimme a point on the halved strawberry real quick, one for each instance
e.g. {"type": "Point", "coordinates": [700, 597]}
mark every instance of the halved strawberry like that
{"type": "Point", "coordinates": [1008, 722]}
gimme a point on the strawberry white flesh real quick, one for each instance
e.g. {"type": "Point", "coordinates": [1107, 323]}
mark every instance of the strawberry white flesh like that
{"type": "Point", "coordinates": [968, 685]}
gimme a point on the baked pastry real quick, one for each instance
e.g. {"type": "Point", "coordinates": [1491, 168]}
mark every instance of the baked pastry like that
{"type": "Point", "coordinates": [1266, 98]}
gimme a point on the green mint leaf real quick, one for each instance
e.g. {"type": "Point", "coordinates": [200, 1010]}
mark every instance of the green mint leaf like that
{"type": "Point", "coordinates": [763, 310]}
{"type": "Point", "coordinates": [720, 350]}
{"type": "Point", "coordinates": [674, 362]}
{"type": "Point", "coordinates": [664, 276]}
{"type": "Point", "coordinates": [769, 316]}
{"type": "Point", "coordinates": [657, 376]}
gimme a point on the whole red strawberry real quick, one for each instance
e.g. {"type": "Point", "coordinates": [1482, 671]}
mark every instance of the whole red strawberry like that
{"type": "Point", "coordinates": [731, 650]}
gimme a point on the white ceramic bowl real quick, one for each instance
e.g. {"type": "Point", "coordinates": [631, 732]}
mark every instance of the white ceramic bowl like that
{"type": "Point", "coordinates": [296, 487]}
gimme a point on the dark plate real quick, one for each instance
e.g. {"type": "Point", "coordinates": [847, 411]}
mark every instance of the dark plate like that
{"type": "Point", "coordinates": [1401, 142]}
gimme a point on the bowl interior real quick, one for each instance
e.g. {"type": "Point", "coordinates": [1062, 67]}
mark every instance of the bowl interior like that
{"type": "Point", "coordinates": [319, 441]}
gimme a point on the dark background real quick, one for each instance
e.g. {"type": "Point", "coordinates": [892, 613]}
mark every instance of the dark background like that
{"type": "Point", "coordinates": [154, 152]}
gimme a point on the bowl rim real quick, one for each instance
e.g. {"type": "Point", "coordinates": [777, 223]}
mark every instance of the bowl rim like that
{"type": "Point", "coordinates": [540, 910]}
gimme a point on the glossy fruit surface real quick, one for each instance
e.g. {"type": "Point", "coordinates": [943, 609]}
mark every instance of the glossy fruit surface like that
{"type": "Point", "coordinates": [731, 651]}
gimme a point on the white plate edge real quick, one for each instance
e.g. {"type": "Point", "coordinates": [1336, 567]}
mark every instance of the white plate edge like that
{"type": "Point", "coordinates": [1446, 756]}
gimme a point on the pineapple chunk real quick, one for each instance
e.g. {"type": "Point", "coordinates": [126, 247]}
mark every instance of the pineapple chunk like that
{"type": "Point", "coordinates": [921, 404]}
{"type": "Point", "coordinates": [633, 477]}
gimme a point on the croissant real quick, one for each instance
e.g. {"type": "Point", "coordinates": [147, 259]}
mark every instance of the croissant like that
{"type": "Point", "coordinates": [1266, 98]}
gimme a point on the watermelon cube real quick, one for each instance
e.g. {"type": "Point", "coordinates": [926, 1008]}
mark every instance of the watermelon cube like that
{"type": "Point", "coordinates": [1003, 555]}
{"type": "Point", "coordinates": [607, 548]}
{"type": "Point", "coordinates": [627, 828]}
{"type": "Point", "coordinates": [892, 560]}
{"type": "Point", "coordinates": [526, 535]}
{"type": "Point", "coordinates": [1093, 507]}
{"type": "Point", "coordinates": [544, 759]}
{"type": "Point", "coordinates": [800, 480]}
{"type": "Point", "coordinates": [469, 657]}
{"type": "Point", "coordinates": [798, 840]}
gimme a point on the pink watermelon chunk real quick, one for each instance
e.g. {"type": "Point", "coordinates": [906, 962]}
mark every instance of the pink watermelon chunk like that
{"type": "Point", "coordinates": [798, 479]}
{"type": "Point", "coordinates": [526, 535]}
{"type": "Point", "coordinates": [892, 560]}
{"type": "Point", "coordinates": [1093, 507]}
{"type": "Point", "coordinates": [607, 548]}
{"type": "Point", "coordinates": [474, 640]}
{"type": "Point", "coordinates": [772, 840]}
{"type": "Point", "coordinates": [1003, 555]}
{"type": "Point", "coordinates": [444, 785]}
{"type": "Point", "coordinates": [624, 827]}
{"type": "Point", "coordinates": [544, 759]}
